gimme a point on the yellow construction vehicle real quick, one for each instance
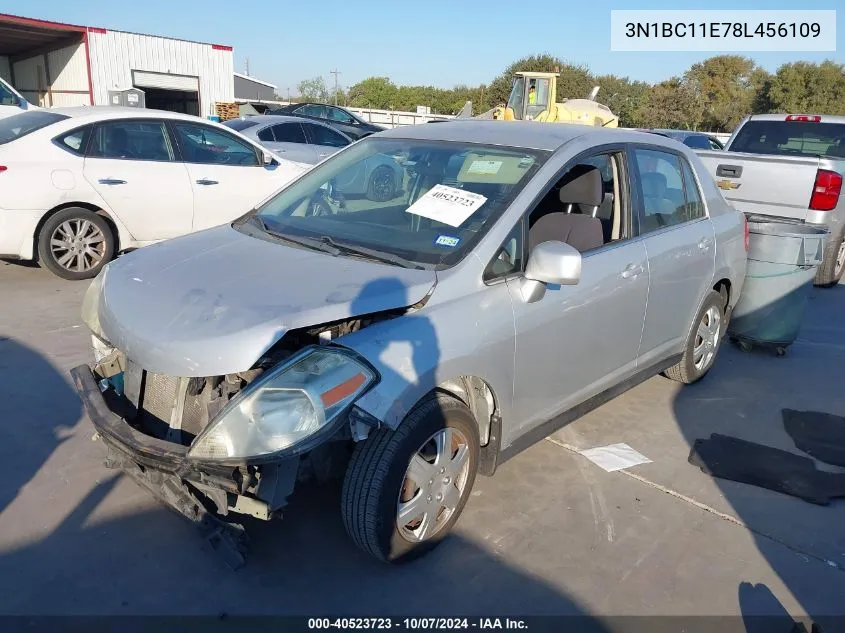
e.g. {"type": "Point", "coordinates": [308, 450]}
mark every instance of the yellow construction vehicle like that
{"type": "Point", "coordinates": [532, 98]}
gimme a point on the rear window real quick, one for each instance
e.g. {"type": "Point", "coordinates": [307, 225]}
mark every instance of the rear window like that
{"type": "Point", "coordinates": [791, 138]}
{"type": "Point", "coordinates": [19, 125]}
{"type": "Point", "coordinates": [239, 124]}
{"type": "Point", "coordinates": [696, 141]}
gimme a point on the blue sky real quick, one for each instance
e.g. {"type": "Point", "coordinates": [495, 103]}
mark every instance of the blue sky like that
{"type": "Point", "coordinates": [433, 42]}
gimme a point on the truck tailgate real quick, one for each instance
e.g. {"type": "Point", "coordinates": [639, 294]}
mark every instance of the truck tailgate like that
{"type": "Point", "coordinates": [778, 186]}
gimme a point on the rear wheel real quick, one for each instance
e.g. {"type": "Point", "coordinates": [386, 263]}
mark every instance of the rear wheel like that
{"type": "Point", "coordinates": [405, 489]}
{"type": "Point", "coordinates": [831, 269]}
{"type": "Point", "coordinates": [75, 243]}
{"type": "Point", "coordinates": [703, 341]}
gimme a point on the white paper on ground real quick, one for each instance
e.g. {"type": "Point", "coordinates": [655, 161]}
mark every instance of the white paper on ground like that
{"type": "Point", "coordinates": [615, 457]}
{"type": "Point", "coordinates": [447, 205]}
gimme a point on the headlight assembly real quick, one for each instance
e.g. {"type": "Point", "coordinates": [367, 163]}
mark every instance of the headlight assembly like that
{"type": "Point", "coordinates": [285, 406]}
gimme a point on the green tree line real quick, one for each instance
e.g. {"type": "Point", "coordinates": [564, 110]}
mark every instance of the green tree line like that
{"type": "Point", "coordinates": [711, 95]}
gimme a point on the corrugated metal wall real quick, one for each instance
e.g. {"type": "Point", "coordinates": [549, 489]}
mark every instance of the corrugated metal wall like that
{"type": "Point", "coordinates": [114, 55]}
{"type": "Point", "coordinates": [4, 68]}
{"type": "Point", "coordinates": [59, 78]}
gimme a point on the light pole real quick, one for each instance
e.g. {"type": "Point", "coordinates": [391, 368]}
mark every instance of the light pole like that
{"type": "Point", "coordinates": [335, 72]}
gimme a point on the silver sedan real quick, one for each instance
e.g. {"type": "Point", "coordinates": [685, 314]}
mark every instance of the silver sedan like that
{"type": "Point", "coordinates": [526, 274]}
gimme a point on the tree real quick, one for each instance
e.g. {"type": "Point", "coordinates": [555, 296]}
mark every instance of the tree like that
{"type": "Point", "coordinates": [374, 92]}
{"type": "Point", "coordinates": [726, 86]}
{"type": "Point", "coordinates": [623, 96]}
{"type": "Point", "coordinates": [807, 87]}
{"type": "Point", "coordinates": [313, 89]}
{"type": "Point", "coordinates": [672, 103]}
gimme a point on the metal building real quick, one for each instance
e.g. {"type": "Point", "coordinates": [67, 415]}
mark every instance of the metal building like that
{"type": "Point", "coordinates": [54, 64]}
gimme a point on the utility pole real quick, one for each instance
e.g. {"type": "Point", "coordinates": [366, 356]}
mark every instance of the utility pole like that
{"type": "Point", "coordinates": [335, 72]}
{"type": "Point", "coordinates": [247, 66]}
{"type": "Point", "coordinates": [288, 94]}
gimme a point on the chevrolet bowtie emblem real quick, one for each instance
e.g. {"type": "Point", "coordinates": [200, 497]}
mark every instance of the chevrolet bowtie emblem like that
{"type": "Point", "coordinates": [727, 184]}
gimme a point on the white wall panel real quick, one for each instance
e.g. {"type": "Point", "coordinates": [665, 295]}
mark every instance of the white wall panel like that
{"type": "Point", "coordinates": [68, 68]}
{"type": "Point", "coordinates": [114, 55]}
{"type": "Point", "coordinates": [30, 79]}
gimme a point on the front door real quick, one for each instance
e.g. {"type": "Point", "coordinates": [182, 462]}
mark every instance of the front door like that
{"type": "Point", "coordinates": [227, 173]}
{"type": "Point", "coordinates": [131, 163]}
{"type": "Point", "coordinates": [576, 341]}
{"type": "Point", "coordinates": [681, 248]}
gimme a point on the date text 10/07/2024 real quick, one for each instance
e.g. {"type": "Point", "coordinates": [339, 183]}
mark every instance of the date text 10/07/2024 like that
{"type": "Point", "coordinates": [722, 29]}
{"type": "Point", "coordinates": [418, 624]}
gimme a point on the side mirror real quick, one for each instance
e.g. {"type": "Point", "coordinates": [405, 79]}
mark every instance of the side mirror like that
{"type": "Point", "coordinates": [555, 263]}
{"type": "Point", "coordinates": [268, 159]}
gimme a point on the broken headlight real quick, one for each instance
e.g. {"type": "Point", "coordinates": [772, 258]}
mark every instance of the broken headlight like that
{"type": "Point", "coordinates": [286, 406]}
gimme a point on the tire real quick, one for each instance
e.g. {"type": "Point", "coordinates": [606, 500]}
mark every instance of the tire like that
{"type": "Point", "coordinates": [687, 370]}
{"type": "Point", "coordinates": [382, 185]}
{"type": "Point", "coordinates": [379, 472]}
{"type": "Point", "coordinates": [77, 225]}
{"type": "Point", "coordinates": [833, 265]}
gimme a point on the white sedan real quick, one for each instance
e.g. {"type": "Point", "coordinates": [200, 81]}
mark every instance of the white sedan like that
{"type": "Point", "coordinates": [79, 185]}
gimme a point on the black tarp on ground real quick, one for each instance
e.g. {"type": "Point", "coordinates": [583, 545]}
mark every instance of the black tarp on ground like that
{"type": "Point", "coordinates": [749, 463]}
{"type": "Point", "coordinates": [821, 435]}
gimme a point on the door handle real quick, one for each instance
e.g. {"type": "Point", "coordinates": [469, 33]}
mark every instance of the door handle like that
{"type": "Point", "coordinates": [632, 271]}
{"type": "Point", "coordinates": [111, 181]}
{"type": "Point", "coordinates": [729, 171]}
{"type": "Point", "coordinates": [704, 244]}
{"type": "Point", "coordinates": [206, 181]}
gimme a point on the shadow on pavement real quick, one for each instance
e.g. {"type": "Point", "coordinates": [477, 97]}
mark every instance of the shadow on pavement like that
{"type": "Point", "coordinates": [735, 399]}
{"type": "Point", "coordinates": [38, 409]}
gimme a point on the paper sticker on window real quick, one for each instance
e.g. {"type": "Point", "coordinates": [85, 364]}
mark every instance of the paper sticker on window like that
{"type": "Point", "coordinates": [447, 240]}
{"type": "Point", "coordinates": [447, 205]}
{"type": "Point", "coordinates": [490, 167]}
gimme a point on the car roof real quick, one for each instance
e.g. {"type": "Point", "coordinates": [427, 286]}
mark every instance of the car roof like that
{"type": "Point", "coordinates": [119, 112]}
{"type": "Point", "coordinates": [524, 134]}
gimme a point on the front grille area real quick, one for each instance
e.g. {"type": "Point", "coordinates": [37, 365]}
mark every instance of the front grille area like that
{"type": "Point", "coordinates": [159, 397]}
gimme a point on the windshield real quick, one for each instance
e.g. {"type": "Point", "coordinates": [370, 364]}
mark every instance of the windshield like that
{"type": "Point", "coordinates": [426, 202]}
{"type": "Point", "coordinates": [239, 124]}
{"type": "Point", "coordinates": [19, 125]}
{"type": "Point", "coordinates": [7, 97]}
{"type": "Point", "coordinates": [791, 138]}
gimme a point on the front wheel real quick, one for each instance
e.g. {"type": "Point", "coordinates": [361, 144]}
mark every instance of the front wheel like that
{"type": "Point", "coordinates": [75, 243]}
{"type": "Point", "coordinates": [703, 341]}
{"type": "Point", "coordinates": [405, 489]}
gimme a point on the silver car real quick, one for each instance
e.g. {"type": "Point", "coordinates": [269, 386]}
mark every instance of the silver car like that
{"type": "Point", "coordinates": [527, 274]}
{"type": "Point", "coordinates": [306, 141]}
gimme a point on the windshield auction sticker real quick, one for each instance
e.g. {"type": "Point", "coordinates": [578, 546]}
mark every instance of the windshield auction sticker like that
{"type": "Point", "coordinates": [447, 205]}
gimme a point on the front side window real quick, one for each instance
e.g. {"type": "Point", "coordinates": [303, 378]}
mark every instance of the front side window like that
{"type": "Point", "coordinates": [662, 186]}
{"type": "Point", "coordinates": [209, 146]}
{"type": "Point", "coordinates": [19, 125]}
{"type": "Point", "coordinates": [508, 259]}
{"type": "Point", "coordinates": [131, 140]}
{"type": "Point", "coordinates": [426, 202]}
{"type": "Point", "coordinates": [321, 135]}
{"type": "Point", "coordinates": [694, 206]}
{"type": "Point", "coordinates": [7, 97]}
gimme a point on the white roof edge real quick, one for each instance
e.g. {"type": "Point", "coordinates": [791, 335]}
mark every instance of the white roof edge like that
{"type": "Point", "coordinates": [253, 79]}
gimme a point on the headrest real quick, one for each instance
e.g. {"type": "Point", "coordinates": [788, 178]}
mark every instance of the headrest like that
{"type": "Point", "coordinates": [654, 184]}
{"type": "Point", "coordinates": [582, 185]}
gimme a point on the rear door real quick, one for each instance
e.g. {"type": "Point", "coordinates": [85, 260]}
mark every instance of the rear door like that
{"type": "Point", "coordinates": [289, 141]}
{"type": "Point", "coordinates": [325, 140]}
{"type": "Point", "coordinates": [227, 173]}
{"type": "Point", "coordinates": [680, 242]}
{"type": "Point", "coordinates": [132, 164]}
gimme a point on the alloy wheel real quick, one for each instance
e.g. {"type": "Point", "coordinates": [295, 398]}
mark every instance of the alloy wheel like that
{"type": "Point", "coordinates": [78, 245]}
{"type": "Point", "coordinates": [707, 338]}
{"type": "Point", "coordinates": [434, 485]}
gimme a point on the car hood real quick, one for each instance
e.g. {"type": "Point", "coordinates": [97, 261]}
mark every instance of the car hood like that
{"type": "Point", "coordinates": [213, 302]}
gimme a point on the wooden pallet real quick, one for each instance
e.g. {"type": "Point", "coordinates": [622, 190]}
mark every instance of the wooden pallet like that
{"type": "Point", "coordinates": [227, 111]}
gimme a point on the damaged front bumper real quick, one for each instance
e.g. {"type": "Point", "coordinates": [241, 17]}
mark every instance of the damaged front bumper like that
{"type": "Point", "coordinates": [189, 487]}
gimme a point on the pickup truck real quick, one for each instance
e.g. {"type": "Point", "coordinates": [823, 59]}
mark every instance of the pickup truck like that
{"type": "Point", "coordinates": [788, 167]}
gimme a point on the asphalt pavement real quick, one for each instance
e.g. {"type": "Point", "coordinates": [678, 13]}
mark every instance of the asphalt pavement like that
{"type": "Point", "coordinates": [551, 533]}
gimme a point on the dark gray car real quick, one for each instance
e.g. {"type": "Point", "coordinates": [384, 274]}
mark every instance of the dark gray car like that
{"type": "Point", "coordinates": [525, 274]}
